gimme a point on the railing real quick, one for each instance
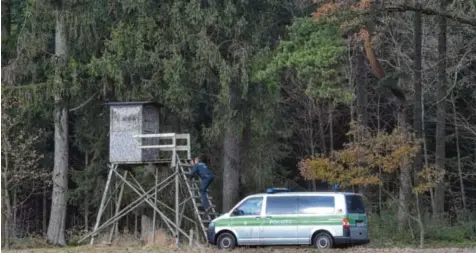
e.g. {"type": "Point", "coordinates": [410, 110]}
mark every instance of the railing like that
{"type": "Point", "coordinates": [168, 147]}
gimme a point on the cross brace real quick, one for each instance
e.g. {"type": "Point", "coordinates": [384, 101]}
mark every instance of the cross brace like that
{"type": "Point", "coordinates": [143, 196]}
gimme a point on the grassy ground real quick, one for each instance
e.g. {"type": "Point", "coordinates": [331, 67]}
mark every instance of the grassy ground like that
{"type": "Point", "coordinates": [450, 241]}
{"type": "Point", "coordinates": [88, 249]}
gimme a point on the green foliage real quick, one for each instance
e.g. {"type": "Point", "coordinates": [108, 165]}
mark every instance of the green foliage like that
{"type": "Point", "coordinates": [86, 180]}
{"type": "Point", "coordinates": [314, 51]}
{"type": "Point", "coordinates": [21, 160]}
{"type": "Point", "coordinates": [453, 234]}
{"type": "Point", "coordinates": [382, 230]}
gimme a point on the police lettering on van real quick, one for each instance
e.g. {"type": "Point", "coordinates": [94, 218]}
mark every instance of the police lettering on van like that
{"type": "Point", "coordinates": [282, 217]}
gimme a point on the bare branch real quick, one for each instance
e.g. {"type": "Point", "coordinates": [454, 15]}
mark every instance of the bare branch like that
{"type": "Point", "coordinates": [431, 12]}
{"type": "Point", "coordinates": [84, 103]}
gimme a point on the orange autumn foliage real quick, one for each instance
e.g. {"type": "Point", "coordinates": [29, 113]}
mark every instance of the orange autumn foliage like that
{"type": "Point", "coordinates": [327, 8]}
{"type": "Point", "coordinates": [362, 161]}
{"type": "Point", "coordinates": [429, 177]}
{"type": "Point", "coordinates": [331, 7]}
{"type": "Point", "coordinates": [353, 15]}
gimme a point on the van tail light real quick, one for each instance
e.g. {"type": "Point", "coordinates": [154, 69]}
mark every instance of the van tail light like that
{"type": "Point", "coordinates": [346, 223]}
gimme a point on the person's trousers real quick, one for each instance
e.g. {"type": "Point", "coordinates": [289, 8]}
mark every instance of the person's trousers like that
{"type": "Point", "coordinates": [203, 191]}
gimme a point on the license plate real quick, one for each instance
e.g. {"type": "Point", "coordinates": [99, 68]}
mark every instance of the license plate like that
{"type": "Point", "coordinates": [359, 224]}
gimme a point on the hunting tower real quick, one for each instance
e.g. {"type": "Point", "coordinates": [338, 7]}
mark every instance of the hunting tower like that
{"type": "Point", "coordinates": [135, 140]}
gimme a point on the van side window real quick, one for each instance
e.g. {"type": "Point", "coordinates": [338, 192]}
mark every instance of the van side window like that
{"type": "Point", "coordinates": [281, 205]}
{"type": "Point", "coordinates": [316, 204]}
{"type": "Point", "coordinates": [251, 206]}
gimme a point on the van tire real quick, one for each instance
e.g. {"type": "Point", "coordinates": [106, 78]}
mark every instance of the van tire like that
{"type": "Point", "coordinates": [323, 241]}
{"type": "Point", "coordinates": [226, 241]}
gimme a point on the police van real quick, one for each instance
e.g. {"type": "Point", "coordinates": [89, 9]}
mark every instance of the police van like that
{"type": "Point", "coordinates": [283, 217]}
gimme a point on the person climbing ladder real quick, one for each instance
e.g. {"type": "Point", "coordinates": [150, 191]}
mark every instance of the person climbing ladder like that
{"type": "Point", "coordinates": [206, 176]}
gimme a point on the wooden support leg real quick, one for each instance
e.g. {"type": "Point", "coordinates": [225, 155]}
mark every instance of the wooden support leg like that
{"type": "Point", "coordinates": [154, 222]}
{"type": "Point", "coordinates": [129, 208]}
{"type": "Point", "coordinates": [102, 205]}
{"type": "Point", "coordinates": [118, 206]}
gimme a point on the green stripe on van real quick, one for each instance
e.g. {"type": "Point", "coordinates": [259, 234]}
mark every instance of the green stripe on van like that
{"type": "Point", "coordinates": [281, 221]}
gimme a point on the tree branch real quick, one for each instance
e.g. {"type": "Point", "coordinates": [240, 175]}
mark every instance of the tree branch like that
{"type": "Point", "coordinates": [84, 103]}
{"type": "Point", "coordinates": [431, 12]}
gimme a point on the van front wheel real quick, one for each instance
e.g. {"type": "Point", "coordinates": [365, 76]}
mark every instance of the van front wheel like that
{"type": "Point", "coordinates": [226, 241]}
{"type": "Point", "coordinates": [323, 241]}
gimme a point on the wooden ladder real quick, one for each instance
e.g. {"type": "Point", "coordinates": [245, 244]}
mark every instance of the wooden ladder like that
{"type": "Point", "coordinates": [193, 188]}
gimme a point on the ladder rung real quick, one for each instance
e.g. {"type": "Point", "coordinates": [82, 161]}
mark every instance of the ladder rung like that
{"type": "Point", "coordinates": [199, 197]}
{"type": "Point", "coordinates": [197, 189]}
{"type": "Point", "coordinates": [210, 213]}
{"type": "Point", "coordinates": [201, 205]}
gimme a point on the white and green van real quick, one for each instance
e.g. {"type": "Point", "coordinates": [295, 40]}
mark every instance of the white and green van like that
{"type": "Point", "coordinates": [321, 219]}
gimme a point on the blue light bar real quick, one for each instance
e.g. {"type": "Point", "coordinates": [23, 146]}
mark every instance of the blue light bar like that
{"type": "Point", "coordinates": [276, 190]}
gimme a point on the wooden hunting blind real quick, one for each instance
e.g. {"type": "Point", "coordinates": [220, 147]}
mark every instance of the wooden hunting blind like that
{"type": "Point", "coordinates": [128, 119]}
{"type": "Point", "coordinates": [134, 139]}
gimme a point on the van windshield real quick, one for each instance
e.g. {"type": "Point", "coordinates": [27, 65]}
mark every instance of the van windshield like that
{"type": "Point", "coordinates": [355, 204]}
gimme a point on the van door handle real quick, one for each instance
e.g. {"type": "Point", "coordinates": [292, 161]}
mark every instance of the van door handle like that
{"type": "Point", "coordinates": [268, 217]}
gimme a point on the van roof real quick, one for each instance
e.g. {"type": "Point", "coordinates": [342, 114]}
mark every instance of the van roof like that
{"type": "Point", "coordinates": [303, 194]}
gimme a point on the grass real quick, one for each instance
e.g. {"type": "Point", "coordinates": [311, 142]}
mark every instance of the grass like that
{"type": "Point", "coordinates": [383, 234]}
{"type": "Point", "coordinates": [114, 249]}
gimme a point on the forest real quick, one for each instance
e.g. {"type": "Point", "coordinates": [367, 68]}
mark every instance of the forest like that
{"type": "Point", "coordinates": [378, 96]}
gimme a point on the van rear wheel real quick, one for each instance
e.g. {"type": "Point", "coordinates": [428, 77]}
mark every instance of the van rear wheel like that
{"type": "Point", "coordinates": [323, 241]}
{"type": "Point", "coordinates": [226, 241]}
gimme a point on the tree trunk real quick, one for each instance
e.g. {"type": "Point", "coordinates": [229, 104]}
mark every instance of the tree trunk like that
{"type": "Point", "coordinates": [322, 134]}
{"type": "Point", "coordinates": [56, 226]}
{"type": "Point", "coordinates": [37, 226]}
{"type": "Point", "coordinates": [231, 150]}
{"type": "Point", "coordinates": [231, 163]}
{"type": "Point", "coordinates": [45, 217]}
{"type": "Point", "coordinates": [7, 215]}
{"type": "Point", "coordinates": [6, 24]}
{"type": "Point", "coordinates": [439, 200]}
{"type": "Point", "coordinates": [245, 179]}
{"type": "Point", "coordinates": [405, 174]}
{"type": "Point", "coordinates": [86, 198]}
{"type": "Point", "coordinates": [6, 204]}
{"type": "Point", "coordinates": [380, 169]}
{"type": "Point", "coordinates": [86, 214]}
{"type": "Point", "coordinates": [331, 127]}
{"type": "Point", "coordinates": [311, 107]}
{"type": "Point", "coordinates": [360, 90]}
{"type": "Point", "coordinates": [14, 206]}
{"type": "Point", "coordinates": [417, 109]}
{"type": "Point", "coordinates": [458, 155]}
{"type": "Point", "coordinates": [136, 232]}
{"type": "Point", "coordinates": [403, 121]}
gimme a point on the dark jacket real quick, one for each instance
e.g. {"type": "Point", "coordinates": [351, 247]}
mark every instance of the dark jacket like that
{"type": "Point", "coordinates": [202, 170]}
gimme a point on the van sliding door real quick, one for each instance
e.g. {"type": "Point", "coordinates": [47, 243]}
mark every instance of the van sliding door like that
{"type": "Point", "coordinates": [279, 225]}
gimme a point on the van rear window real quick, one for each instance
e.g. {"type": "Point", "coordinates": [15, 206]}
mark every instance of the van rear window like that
{"type": "Point", "coordinates": [355, 204]}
